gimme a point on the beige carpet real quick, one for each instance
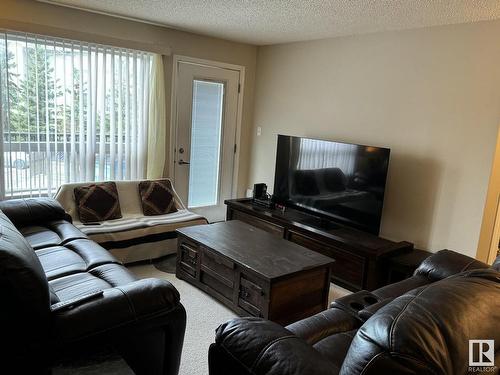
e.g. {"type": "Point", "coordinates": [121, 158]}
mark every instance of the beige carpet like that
{"type": "Point", "coordinates": [204, 315]}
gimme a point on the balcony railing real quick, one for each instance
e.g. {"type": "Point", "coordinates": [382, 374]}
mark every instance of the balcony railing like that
{"type": "Point", "coordinates": [35, 166]}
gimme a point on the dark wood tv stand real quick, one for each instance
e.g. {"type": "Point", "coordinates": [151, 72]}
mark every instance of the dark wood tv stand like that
{"type": "Point", "coordinates": [360, 257]}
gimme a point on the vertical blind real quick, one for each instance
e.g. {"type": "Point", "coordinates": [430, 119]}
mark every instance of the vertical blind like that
{"type": "Point", "coordinates": [70, 111]}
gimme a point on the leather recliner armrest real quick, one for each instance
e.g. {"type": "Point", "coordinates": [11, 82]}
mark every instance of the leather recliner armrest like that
{"type": "Point", "coordinates": [446, 263]}
{"type": "Point", "coordinates": [27, 211]}
{"type": "Point", "coordinates": [254, 346]}
{"type": "Point", "coordinates": [117, 307]}
{"type": "Point", "coordinates": [324, 324]}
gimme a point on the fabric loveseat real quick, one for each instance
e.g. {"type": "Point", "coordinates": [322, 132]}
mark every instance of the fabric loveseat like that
{"type": "Point", "coordinates": [64, 295]}
{"type": "Point", "coordinates": [134, 237]}
{"type": "Point", "coordinates": [421, 325]}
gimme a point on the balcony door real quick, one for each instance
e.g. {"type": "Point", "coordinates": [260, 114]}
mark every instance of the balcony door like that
{"type": "Point", "coordinates": [205, 136]}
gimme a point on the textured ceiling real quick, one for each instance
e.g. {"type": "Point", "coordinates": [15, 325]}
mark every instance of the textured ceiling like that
{"type": "Point", "coordinates": [278, 21]}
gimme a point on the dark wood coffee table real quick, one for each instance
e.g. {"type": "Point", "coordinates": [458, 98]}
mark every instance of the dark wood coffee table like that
{"type": "Point", "coordinates": [253, 272]}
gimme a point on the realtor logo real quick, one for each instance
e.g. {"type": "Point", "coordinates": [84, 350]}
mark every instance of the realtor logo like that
{"type": "Point", "coordinates": [481, 353]}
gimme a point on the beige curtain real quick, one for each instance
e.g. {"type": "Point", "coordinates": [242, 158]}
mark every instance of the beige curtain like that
{"type": "Point", "coordinates": [157, 120]}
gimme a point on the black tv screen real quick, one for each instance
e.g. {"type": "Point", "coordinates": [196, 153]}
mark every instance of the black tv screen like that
{"type": "Point", "coordinates": [338, 181]}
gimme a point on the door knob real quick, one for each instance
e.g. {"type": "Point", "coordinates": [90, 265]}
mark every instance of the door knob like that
{"type": "Point", "coordinates": [182, 162]}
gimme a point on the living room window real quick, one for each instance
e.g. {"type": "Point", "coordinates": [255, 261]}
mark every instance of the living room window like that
{"type": "Point", "coordinates": [70, 111]}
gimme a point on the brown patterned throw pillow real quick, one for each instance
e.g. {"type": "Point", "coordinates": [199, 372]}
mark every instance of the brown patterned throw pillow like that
{"type": "Point", "coordinates": [97, 202]}
{"type": "Point", "coordinates": [157, 197]}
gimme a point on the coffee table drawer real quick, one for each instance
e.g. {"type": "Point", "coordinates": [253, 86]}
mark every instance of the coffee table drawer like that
{"type": "Point", "coordinates": [188, 257]}
{"type": "Point", "coordinates": [219, 267]}
{"type": "Point", "coordinates": [251, 297]}
{"type": "Point", "coordinates": [217, 287]}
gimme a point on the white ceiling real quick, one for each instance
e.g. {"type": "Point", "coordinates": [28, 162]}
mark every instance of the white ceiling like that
{"type": "Point", "coordinates": [279, 21]}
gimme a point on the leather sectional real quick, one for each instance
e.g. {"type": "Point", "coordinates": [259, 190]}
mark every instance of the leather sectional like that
{"type": "Point", "coordinates": [63, 294]}
{"type": "Point", "coordinates": [417, 326]}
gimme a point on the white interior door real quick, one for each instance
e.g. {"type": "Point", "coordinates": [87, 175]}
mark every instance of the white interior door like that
{"type": "Point", "coordinates": [207, 109]}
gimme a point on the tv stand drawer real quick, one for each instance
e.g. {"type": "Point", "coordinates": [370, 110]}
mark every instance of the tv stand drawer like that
{"type": "Point", "coordinates": [348, 268]}
{"type": "Point", "coordinates": [273, 228]}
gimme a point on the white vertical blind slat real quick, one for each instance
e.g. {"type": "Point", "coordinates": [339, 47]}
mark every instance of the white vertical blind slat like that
{"type": "Point", "coordinates": [81, 125]}
{"type": "Point", "coordinates": [140, 100]}
{"type": "Point", "coordinates": [119, 174]}
{"type": "Point", "coordinates": [7, 111]}
{"type": "Point", "coordinates": [89, 157]}
{"type": "Point", "coordinates": [133, 129]}
{"type": "Point", "coordinates": [65, 97]}
{"type": "Point", "coordinates": [28, 175]}
{"type": "Point", "coordinates": [95, 113]}
{"type": "Point", "coordinates": [146, 62]}
{"type": "Point", "coordinates": [54, 115]}
{"type": "Point", "coordinates": [127, 118]}
{"type": "Point", "coordinates": [112, 120]}
{"type": "Point", "coordinates": [36, 164]}
{"type": "Point", "coordinates": [72, 160]}
{"type": "Point", "coordinates": [102, 118]}
{"type": "Point", "coordinates": [46, 160]}
{"type": "Point", "coordinates": [15, 155]}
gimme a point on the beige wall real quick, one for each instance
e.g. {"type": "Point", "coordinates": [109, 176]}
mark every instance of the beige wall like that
{"type": "Point", "coordinates": [45, 18]}
{"type": "Point", "coordinates": [432, 95]}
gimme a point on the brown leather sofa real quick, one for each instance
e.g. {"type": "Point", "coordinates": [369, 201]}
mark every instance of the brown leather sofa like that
{"type": "Point", "coordinates": [417, 326]}
{"type": "Point", "coordinates": [64, 295]}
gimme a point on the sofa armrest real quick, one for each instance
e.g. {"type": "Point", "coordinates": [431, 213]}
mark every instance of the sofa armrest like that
{"type": "Point", "coordinates": [323, 324]}
{"type": "Point", "coordinates": [446, 263]}
{"type": "Point", "coordinates": [136, 302]}
{"type": "Point", "coordinates": [23, 212]}
{"type": "Point", "coordinates": [253, 346]}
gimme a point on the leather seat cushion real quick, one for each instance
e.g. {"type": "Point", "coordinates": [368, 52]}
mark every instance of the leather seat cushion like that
{"type": "Point", "coordinates": [54, 233]}
{"type": "Point", "coordinates": [59, 261]}
{"type": "Point", "coordinates": [335, 347]}
{"type": "Point", "coordinates": [76, 256]}
{"type": "Point", "coordinates": [99, 278]}
{"type": "Point", "coordinates": [121, 309]}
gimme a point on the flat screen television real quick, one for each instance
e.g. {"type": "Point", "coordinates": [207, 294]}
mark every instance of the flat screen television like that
{"type": "Point", "coordinates": [335, 181]}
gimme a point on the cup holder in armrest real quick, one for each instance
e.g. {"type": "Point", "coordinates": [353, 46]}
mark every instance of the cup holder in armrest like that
{"type": "Point", "coordinates": [356, 306]}
{"type": "Point", "coordinates": [370, 300]}
{"type": "Point", "coordinates": [369, 311]}
{"type": "Point", "coordinates": [354, 303]}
